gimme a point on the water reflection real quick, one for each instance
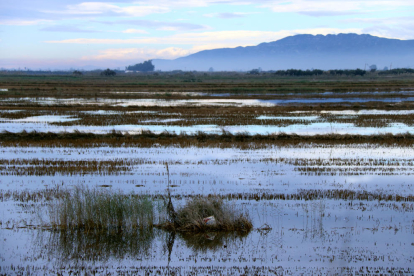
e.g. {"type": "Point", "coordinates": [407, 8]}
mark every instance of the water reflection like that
{"type": "Point", "coordinates": [100, 246]}
{"type": "Point", "coordinates": [211, 241]}
{"type": "Point", "coordinates": [76, 247]}
{"type": "Point", "coordinates": [313, 221]}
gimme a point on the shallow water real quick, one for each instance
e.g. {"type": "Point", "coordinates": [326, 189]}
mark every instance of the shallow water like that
{"type": "Point", "coordinates": [329, 236]}
{"type": "Point", "coordinates": [369, 112]}
{"type": "Point", "coordinates": [43, 124]}
{"type": "Point", "coordinates": [222, 171]}
{"type": "Point", "coordinates": [304, 237]}
{"type": "Point", "coordinates": [46, 119]}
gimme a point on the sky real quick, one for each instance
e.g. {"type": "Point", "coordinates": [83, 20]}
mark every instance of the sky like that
{"type": "Point", "coordinates": [63, 34]}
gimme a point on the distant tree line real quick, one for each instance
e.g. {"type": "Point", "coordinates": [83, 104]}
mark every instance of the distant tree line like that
{"type": "Point", "coordinates": [289, 72]}
{"type": "Point", "coordinates": [356, 72]}
{"type": "Point", "coordinates": [298, 72]}
{"type": "Point", "coordinates": [397, 71]}
{"type": "Point", "coordinates": [146, 66]}
{"type": "Point", "coordinates": [313, 72]}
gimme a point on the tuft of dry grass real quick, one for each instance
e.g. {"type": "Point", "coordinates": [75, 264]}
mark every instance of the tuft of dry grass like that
{"type": "Point", "coordinates": [228, 217]}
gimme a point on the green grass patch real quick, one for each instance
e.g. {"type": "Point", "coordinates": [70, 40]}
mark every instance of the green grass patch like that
{"type": "Point", "coordinates": [92, 209]}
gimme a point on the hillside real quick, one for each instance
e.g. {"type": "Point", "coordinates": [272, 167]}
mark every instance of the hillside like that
{"type": "Point", "coordinates": [342, 51]}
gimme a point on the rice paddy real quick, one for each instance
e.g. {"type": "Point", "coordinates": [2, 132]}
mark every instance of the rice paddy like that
{"type": "Point", "coordinates": [302, 176]}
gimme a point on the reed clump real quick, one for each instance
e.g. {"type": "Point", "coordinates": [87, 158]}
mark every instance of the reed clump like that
{"type": "Point", "coordinates": [92, 209]}
{"type": "Point", "coordinates": [190, 217]}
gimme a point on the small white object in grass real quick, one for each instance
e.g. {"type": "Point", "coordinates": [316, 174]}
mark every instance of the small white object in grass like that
{"type": "Point", "coordinates": [210, 236]}
{"type": "Point", "coordinates": [210, 221]}
{"type": "Point", "coordinates": [4, 89]}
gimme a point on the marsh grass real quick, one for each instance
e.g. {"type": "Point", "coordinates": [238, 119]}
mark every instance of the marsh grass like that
{"type": "Point", "coordinates": [228, 217]}
{"type": "Point", "coordinates": [199, 139]}
{"type": "Point", "coordinates": [92, 209]}
{"type": "Point", "coordinates": [100, 210]}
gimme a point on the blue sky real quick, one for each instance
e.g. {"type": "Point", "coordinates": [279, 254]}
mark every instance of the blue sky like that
{"type": "Point", "coordinates": [63, 34]}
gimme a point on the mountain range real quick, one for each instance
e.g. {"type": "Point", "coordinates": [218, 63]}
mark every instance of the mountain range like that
{"type": "Point", "coordinates": [341, 51]}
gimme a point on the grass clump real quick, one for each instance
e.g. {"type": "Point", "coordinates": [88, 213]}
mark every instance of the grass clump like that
{"type": "Point", "coordinates": [92, 209]}
{"type": "Point", "coordinates": [228, 218]}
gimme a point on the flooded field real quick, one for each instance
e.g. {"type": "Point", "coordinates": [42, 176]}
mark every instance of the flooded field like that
{"type": "Point", "coordinates": [192, 116]}
{"type": "Point", "coordinates": [325, 177]}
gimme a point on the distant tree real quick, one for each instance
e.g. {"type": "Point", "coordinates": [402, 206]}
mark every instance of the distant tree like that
{"type": "Point", "coordinates": [358, 72]}
{"type": "Point", "coordinates": [385, 68]}
{"type": "Point", "coordinates": [77, 73]}
{"type": "Point", "coordinates": [146, 66]}
{"type": "Point", "coordinates": [254, 72]}
{"type": "Point", "coordinates": [373, 68]}
{"type": "Point", "coordinates": [108, 72]}
{"type": "Point", "coordinates": [211, 69]}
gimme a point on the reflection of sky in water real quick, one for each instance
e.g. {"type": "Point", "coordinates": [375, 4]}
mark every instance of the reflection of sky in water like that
{"type": "Point", "coordinates": [338, 100]}
{"type": "Point", "coordinates": [368, 112]}
{"type": "Point", "coordinates": [113, 112]}
{"type": "Point", "coordinates": [297, 118]}
{"type": "Point", "coordinates": [10, 111]}
{"type": "Point", "coordinates": [41, 124]}
{"type": "Point", "coordinates": [46, 119]}
{"type": "Point", "coordinates": [309, 232]}
{"type": "Point", "coordinates": [212, 170]}
{"type": "Point", "coordinates": [312, 233]}
{"type": "Point", "coordinates": [196, 102]}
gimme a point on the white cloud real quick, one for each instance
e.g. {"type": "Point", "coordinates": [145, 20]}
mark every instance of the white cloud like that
{"type": "Point", "coordinates": [388, 27]}
{"type": "Point", "coordinates": [183, 3]}
{"type": "Point", "coordinates": [397, 31]}
{"type": "Point", "coordinates": [333, 8]}
{"type": "Point", "coordinates": [134, 31]}
{"type": "Point", "coordinates": [100, 8]}
{"type": "Point", "coordinates": [139, 53]}
{"type": "Point", "coordinates": [289, 5]}
{"type": "Point", "coordinates": [227, 15]}
{"type": "Point", "coordinates": [19, 22]}
{"type": "Point", "coordinates": [383, 20]}
{"type": "Point", "coordinates": [159, 25]}
{"type": "Point", "coordinates": [225, 38]}
{"type": "Point", "coordinates": [67, 29]}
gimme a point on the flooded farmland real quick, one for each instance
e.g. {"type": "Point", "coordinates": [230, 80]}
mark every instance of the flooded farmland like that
{"type": "Point", "coordinates": [325, 179]}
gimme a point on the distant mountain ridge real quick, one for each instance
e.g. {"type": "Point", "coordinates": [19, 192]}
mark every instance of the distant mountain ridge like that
{"type": "Point", "coordinates": [342, 51]}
